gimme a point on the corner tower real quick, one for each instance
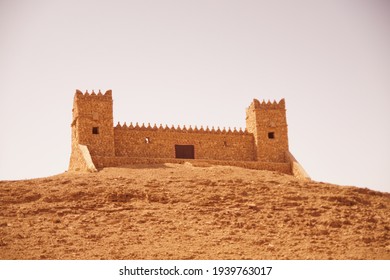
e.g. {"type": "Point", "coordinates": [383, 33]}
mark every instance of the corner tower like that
{"type": "Point", "coordinates": [267, 122]}
{"type": "Point", "coordinates": [92, 125]}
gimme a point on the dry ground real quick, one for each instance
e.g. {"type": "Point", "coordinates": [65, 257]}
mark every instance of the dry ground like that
{"type": "Point", "coordinates": [175, 211]}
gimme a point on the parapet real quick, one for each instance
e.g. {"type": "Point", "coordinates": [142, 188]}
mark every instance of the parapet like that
{"type": "Point", "coordinates": [106, 95]}
{"type": "Point", "coordinates": [183, 129]}
{"type": "Point", "coordinates": [256, 104]}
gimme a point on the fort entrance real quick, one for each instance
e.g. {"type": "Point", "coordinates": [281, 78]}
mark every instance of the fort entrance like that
{"type": "Point", "coordinates": [185, 151]}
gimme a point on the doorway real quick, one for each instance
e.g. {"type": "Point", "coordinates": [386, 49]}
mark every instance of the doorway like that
{"type": "Point", "coordinates": [185, 151]}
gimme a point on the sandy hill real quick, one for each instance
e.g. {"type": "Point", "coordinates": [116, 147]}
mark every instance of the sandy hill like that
{"type": "Point", "coordinates": [175, 211]}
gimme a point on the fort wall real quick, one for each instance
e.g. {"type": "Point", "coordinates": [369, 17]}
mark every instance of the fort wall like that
{"type": "Point", "coordinates": [154, 142]}
{"type": "Point", "coordinates": [96, 143]}
{"type": "Point", "coordinates": [123, 161]}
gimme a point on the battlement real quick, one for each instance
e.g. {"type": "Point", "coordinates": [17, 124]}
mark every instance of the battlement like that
{"type": "Point", "coordinates": [80, 95]}
{"type": "Point", "coordinates": [263, 144]}
{"type": "Point", "coordinates": [183, 129]}
{"type": "Point", "coordinates": [256, 104]}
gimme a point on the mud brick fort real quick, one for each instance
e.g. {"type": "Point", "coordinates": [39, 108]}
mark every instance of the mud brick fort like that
{"type": "Point", "coordinates": [96, 143]}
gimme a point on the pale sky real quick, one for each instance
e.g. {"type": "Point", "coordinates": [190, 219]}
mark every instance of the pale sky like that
{"type": "Point", "coordinates": [201, 62]}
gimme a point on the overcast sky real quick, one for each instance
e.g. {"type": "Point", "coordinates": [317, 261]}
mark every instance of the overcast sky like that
{"type": "Point", "coordinates": [201, 63]}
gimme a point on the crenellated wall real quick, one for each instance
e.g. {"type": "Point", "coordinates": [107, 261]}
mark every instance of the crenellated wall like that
{"type": "Point", "coordinates": [159, 142]}
{"type": "Point", "coordinates": [97, 143]}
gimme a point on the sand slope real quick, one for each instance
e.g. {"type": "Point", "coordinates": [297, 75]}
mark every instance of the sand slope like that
{"type": "Point", "coordinates": [183, 211]}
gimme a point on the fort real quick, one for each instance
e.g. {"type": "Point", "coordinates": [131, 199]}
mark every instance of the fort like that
{"type": "Point", "coordinates": [96, 143]}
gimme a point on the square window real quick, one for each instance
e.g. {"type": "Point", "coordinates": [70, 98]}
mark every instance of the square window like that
{"type": "Point", "coordinates": [95, 130]}
{"type": "Point", "coordinates": [271, 135]}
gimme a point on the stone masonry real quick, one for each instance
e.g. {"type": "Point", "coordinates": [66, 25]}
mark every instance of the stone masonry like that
{"type": "Point", "coordinates": [96, 143]}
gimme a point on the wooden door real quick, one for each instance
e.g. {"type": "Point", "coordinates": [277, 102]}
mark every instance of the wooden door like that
{"type": "Point", "coordinates": [185, 151]}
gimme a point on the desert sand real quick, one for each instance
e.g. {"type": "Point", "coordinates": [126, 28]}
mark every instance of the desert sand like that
{"type": "Point", "coordinates": [190, 211]}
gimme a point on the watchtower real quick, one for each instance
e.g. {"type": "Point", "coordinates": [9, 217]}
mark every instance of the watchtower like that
{"type": "Point", "coordinates": [96, 143]}
{"type": "Point", "coordinates": [267, 122]}
{"type": "Point", "coordinates": [92, 123]}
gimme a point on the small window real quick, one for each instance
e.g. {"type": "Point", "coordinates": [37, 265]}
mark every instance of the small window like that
{"type": "Point", "coordinates": [271, 135]}
{"type": "Point", "coordinates": [224, 143]}
{"type": "Point", "coordinates": [147, 140]}
{"type": "Point", "coordinates": [95, 130]}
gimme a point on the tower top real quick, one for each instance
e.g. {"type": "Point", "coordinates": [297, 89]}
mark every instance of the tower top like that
{"type": "Point", "coordinates": [256, 104]}
{"type": "Point", "coordinates": [80, 95]}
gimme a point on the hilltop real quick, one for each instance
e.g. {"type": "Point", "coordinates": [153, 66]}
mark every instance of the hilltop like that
{"type": "Point", "coordinates": [190, 211]}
